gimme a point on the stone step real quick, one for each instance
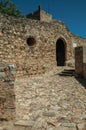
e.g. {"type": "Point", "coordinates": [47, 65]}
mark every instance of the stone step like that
{"type": "Point", "coordinates": [67, 72]}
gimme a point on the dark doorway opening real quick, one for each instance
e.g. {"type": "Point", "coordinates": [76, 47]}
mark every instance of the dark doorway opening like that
{"type": "Point", "coordinates": [60, 52]}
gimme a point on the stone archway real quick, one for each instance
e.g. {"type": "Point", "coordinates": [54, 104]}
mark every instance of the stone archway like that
{"type": "Point", "coordinates": [60, 52]}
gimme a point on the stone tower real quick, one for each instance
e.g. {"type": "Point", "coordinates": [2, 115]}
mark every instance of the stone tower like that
{"type": "Point", "coordinates": [40, 15]}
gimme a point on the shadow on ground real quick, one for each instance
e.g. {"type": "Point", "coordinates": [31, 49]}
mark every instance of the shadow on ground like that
{"type": "Point", "coordinates": [71, 72]}
{"type": "Point", "coordinates": [67, 72]}
{"type": "Point", "coordinates": [82, 81]}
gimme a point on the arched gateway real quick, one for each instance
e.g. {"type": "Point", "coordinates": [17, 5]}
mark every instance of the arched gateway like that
{"type": "Point", "coordinates": [60, 52]}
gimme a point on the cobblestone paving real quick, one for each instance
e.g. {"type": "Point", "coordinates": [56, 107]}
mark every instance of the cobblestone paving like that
{"type": "Point", "coordinates": [53, 99]}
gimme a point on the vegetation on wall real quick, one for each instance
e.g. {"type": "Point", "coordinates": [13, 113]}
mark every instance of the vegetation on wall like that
{"type": "Point", "coordinates": [8, 7]}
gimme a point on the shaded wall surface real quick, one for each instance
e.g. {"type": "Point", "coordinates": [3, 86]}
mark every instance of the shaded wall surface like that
{"type": "Point", "coordinates": [80, 61]}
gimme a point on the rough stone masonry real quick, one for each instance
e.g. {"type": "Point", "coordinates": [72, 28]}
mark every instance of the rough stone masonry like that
{"type": "Point", "coordinates": [35, 46]}
{"type": "Point", "coordinates": [7, 95]}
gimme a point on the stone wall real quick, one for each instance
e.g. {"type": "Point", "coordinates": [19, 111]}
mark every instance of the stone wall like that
{"type": "Point", "coordinates": [31, 44]}
{"type": "Point", "coordinates": [80, 61]}
{"type": "Point", "coordinates": [7, 95]}
{"type": "Point", "coordinates": [45, 16]}
{"type": "Point", "coordinates": [40, 15]}
{"type": "Point", "coordinates": [35, 15]}
{"type": "Point", "coordinates": [31, 59]}
{"type": "Point", "coordinates": [79, 41]}
{"type": "Point", "coordinates": [84, 62]}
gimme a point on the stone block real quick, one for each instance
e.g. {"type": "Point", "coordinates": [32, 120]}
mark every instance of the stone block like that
{"type": "Point", "coordinates": [19, 128]}
{"type": "Point", "coordinates": [1, 128]}
{"type": "Point", "coordinates": [64, 128]}
{"type": "Point", "coordinates": [81, 126]}
{"type": "Point", "coordinates": [49, 114]}
{"type": "Point", "coordinates": [23, 125]}
{"type": "Point", "coordinates": [1, 34]}
{"type": "Point", "coordinates": [70, 125]}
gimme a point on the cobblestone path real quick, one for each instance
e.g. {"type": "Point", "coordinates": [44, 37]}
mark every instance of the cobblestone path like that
{"type": "Point", "coordinates": [52, 101]}
{"type": "Point", "coordinates": [55, 98]}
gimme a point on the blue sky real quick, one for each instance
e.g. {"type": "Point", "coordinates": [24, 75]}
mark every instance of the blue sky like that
{"type": "Point", "coordinates": [71, 12]}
